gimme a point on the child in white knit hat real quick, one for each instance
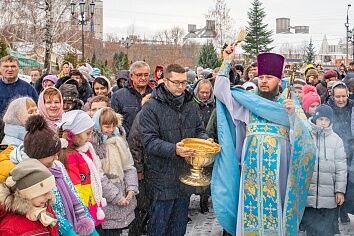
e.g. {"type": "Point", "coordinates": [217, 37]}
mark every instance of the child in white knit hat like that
{"type": "Point", "coordinates": [82, 163]}
{"type": "Point", "coordinates": [73, 218]}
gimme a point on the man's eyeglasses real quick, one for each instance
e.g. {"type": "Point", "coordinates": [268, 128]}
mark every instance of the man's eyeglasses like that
{"type": "Point", "coordinates": [141, 75]}
{"type": "Point", "coordinates": [178, 83]}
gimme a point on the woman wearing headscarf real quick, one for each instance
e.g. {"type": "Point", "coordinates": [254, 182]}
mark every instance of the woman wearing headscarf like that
{"type": "Point", "coordinates": [50, 105]}
{"type": "Point", "coordinates": [15, 119]}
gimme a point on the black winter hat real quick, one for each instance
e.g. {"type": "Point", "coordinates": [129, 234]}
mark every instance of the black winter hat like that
{"type": "Point", "coordinates": [68, 92]}
{"type": "Point", "coordinates": [323, 111]}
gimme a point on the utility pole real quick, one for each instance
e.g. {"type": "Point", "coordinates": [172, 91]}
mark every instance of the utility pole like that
{"type": "Point", "coordinates": [347, 38]}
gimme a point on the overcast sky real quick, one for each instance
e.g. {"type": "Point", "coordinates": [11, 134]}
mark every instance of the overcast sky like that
{"type": "Point", "coordinates": [149, 16]}
{"type": "Point", "coordinates": [146, 17]}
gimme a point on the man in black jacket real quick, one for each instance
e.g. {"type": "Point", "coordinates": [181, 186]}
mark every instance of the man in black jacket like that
{"type": "Point", "coordinates": [127, 101]}
{"type": "Point", "coordinates": [167, 118]}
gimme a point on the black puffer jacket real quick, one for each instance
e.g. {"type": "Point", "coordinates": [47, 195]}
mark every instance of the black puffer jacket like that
{"type": "Point", "coordinates": [135, 145]}
{"type": "Point", "coordinates": [127, 101]}
{"type": "Point", "coordinates": [164, 122]}
{"type": "Point", "coordinates": [85, 91]}
{"type": "Point", "coordinates": [342, 124]}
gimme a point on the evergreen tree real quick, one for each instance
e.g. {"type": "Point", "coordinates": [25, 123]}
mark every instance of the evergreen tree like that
{"type": "Point", "coordinates": [208, 57]}
{"type": "Point", "coordinates": [3, 48]}
{"type": "Point", "coordinates": [120, 61]}
{"type": "Point", "coordinates": [105, 70]}
{"type": "Point", "coordinates": [258, 38]}
{"type": "Point", "coordinates": [94, 58]}
{"type": "Point", "coordinates": [72, 58]}
{"type": "Point", "coordinates": [310, 53]}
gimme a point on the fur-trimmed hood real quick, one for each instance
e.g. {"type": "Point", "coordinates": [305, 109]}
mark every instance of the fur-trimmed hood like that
{"type": "Point", "coordinates": [13, 201]}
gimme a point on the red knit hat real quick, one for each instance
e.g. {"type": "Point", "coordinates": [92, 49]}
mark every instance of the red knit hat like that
{"type": "Point", "coordinates": [330, 73]}
{"type": "Point", "coordinates": [309, 96]}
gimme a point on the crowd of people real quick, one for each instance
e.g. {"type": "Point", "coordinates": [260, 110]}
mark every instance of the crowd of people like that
{"type": "Point", "coordinates": [81, 154]}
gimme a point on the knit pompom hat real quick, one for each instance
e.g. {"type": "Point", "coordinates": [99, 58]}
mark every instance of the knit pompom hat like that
{"type": "Point", "coordinates": [28, 180]}
{"type": "Point", "coordinates": [31, 178]}
{"type": "Point", "coordinates": [323, 111]}
{"type": "Point", "coordinates": [40, 140]}
{"type": "Point", "coordinates": [309, 96]}
{"type": "Point", "coordinates": [330, 74]}
{"type": "Point", "coordinates": [53, 78]}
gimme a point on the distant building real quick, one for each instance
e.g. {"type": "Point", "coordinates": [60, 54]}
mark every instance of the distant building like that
{"type": "Point", "coordinates": [38, 52]}
{"type": "Point", "coordinates": [283, 27]}
{"type": "Point", "coordinates": [333, 52]}
{"type": "Point", "coordinates": [292, 46]}
{"type": "Point", "coordinates": [202, 35]}
{"type": "Point", "coordinates": [98, 19]}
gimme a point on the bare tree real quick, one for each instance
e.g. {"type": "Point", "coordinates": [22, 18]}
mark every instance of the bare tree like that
{"type": "Point", "coordinates": [48, 33]}
{"type": "Point", "coordinates": [292, 50]}
{"type": "Point", "coordinates": [223, 22]}
{"type": "Point", "coordinates": [39, 23]}
{"type": "Point", "coordinates": [177, 34]}
{"type": "Point", "coordinates": [171, 36]}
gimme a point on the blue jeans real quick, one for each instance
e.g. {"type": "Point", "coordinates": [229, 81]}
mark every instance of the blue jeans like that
{"type": "Point", "coordinates": [168, 217]}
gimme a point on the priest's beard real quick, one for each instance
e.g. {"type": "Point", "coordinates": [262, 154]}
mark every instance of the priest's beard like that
{"type": "Point", "coordinates": [271, 95]}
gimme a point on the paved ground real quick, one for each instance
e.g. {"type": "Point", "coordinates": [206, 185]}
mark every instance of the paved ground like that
{"type": "Point", "coordinates": [202, 224]}
{"type": "Point", "coordinates": [347, 229]}
{"type": "Point", "coordinates": [207, 225]}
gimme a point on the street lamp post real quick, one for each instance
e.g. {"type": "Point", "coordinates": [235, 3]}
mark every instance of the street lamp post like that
{"type": "Point", "coordinates": [347, 30]}
{"type": "Point", "coordinates": [81, 20]}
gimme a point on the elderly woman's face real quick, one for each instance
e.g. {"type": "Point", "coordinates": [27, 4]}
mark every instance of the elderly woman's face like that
{"type": "Point", "coordinates": [340, 96]}
{"type": "Point", "coordinates": [204, 92]}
